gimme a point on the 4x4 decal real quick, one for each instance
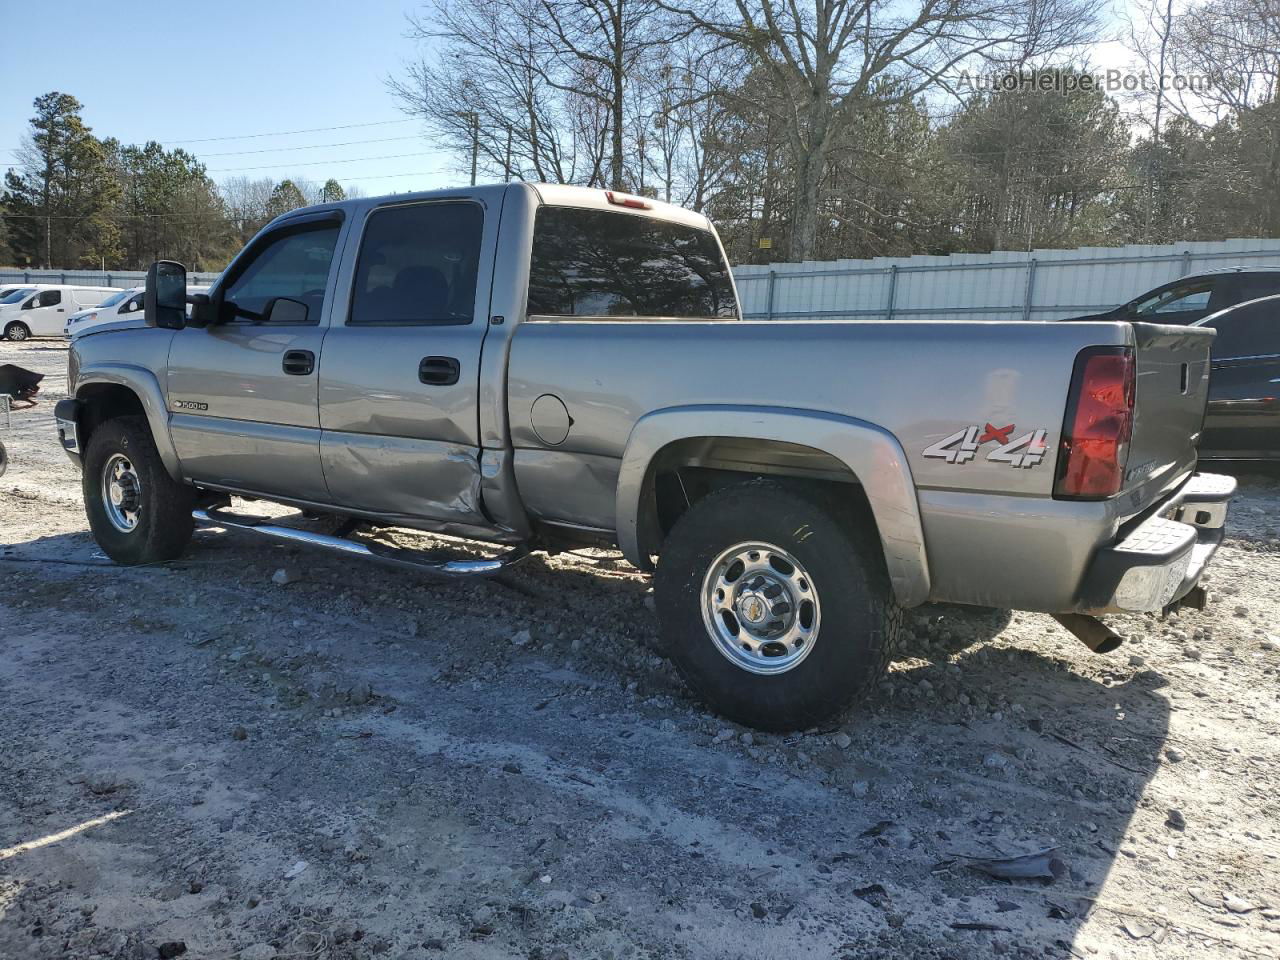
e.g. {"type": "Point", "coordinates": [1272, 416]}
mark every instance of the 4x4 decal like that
{"type": "Point", "coordinates": [1026, 450]}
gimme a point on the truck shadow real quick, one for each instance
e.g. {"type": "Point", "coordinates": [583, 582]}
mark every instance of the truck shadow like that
{"type": "Point", "coordinates": [1018, 750]}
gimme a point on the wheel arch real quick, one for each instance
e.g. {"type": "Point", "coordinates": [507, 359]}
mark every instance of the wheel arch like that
{"type": "Point", "coordinates": [12, 322]}
{"type": "Point", "coordinates": [117, 390]}
{"type": "Point", "coordinates": [813, 445]}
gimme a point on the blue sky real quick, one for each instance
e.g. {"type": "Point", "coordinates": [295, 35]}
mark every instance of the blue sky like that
{"type": "Point", "coordinates": [147, 70]}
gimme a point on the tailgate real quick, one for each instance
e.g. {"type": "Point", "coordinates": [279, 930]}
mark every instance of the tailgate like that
{"type": "Point", "coordinates": [1172, 387]}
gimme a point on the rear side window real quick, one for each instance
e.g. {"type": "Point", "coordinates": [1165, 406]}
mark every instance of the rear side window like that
{"type": "Point", "coordinates": [1249, 331]}
{"type": "Point", "coordinates": [1251, 286]}
{"type": "Point", "coordinates": [418, 264]}
{"type": "Point", "coordinates": [597, 263]}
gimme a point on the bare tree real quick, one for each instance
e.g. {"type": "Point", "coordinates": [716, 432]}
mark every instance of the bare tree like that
{"type": "Point", "coordinates": [489, 89]}
{"type": "Point", "coordinates": [832, 58]}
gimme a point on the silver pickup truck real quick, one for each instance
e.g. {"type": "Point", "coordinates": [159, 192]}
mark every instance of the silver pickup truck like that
{"type": "Point", "coordinates": [544, 367]}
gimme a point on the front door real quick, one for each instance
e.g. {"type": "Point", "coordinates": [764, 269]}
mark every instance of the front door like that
{"type": "Point", "coordinates": [1242, 419]}
{"type": "Point", "coordinates": [399, 375]}
{"type": "Point", "coordinates": [243, 391]}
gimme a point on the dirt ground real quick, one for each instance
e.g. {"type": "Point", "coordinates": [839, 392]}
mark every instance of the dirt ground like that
{"type": "Point", "coordinates": [197, 761]}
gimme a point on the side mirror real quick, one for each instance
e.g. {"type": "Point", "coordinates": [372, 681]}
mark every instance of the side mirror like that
{"type": "Point", "coordinates": [285, 310]}
{"type": "Point", "coordinates": [203, 310]}
{"type": "Point", "coordinates": [165, 299]}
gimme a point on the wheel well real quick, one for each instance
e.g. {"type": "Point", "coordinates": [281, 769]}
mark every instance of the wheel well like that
{"type": "Point", "coordinates": [103, 402]}
{"type": "Point", "coordinates": [687, 470]}
{"type": "Point", "coordinates": [14, 323]}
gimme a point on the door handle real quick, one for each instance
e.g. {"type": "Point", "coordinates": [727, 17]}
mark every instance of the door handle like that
{"type": "Point", "coordinates": [299, 363]}
{"type": "Point", "coordinates": [439, 371]}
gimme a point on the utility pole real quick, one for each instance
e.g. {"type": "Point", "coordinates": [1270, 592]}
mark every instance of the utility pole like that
{"type": "Point", "coordinates": [475, 143]}
{"type": "Point", "coordinates": [1153, 158]}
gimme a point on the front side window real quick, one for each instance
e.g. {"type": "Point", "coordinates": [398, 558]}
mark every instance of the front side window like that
{"type": "Point", "coordinates": [115, 298]}
{"type": "Point", "coordinates": [132, 305]}
{"type": "Point", "coordinates": [598, 263]}
{"type": "Point", "coordinates": [418, 265]}
{"type": "Point", "coordinates": [1178, 299]}
{"type": "Point", "coordinates": [293, 264]}
{"type": "Point", "coordinates": [1251, 330]}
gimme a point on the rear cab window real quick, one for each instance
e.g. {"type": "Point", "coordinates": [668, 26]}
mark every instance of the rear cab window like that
{"type": "Point", "coordinates": [603, 263]}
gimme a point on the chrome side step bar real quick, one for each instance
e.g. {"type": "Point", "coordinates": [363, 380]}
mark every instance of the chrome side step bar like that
{"type": "Point", "coordinates": [408, 559]}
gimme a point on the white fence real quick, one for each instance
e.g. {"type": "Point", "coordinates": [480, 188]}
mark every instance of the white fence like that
{"type": "Point", "coordinates": [1039, 285]}
{"type": "Point", "coordinates": [124, 279]}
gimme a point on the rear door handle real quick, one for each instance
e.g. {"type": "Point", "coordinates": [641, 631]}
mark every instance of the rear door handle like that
{"type": "Point", "coordinates": [299, 363]}
{"type": "Point", "coordinates": [439, 371]}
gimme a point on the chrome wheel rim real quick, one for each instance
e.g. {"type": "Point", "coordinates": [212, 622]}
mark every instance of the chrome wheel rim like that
{"type": "Point", "coordinates": [17, 333]}
{"type": "Point", "coordinates": [121, 493]}
{"type": "Point", "coordinates": [761, 608]}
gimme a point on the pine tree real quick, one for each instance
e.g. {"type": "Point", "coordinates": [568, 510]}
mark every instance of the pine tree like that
{"type": "Point", "coordinates": [62, 197]}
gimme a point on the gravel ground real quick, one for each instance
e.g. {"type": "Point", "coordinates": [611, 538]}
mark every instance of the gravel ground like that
{"type": "Point", "coordinates": [196, 760]}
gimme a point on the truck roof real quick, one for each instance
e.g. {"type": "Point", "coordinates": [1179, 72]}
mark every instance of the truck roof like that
{"type": "Point", "coordinates": [552, 194]}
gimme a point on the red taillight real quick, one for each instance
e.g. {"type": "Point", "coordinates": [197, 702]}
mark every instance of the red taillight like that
{"type": "Point", "coordinates": [623, 200]}
{"type": "Point", "coordinates": [1098, 425]}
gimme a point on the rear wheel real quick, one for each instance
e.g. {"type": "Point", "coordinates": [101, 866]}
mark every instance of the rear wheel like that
{"type": "Point", "coordinates": [137, 512]}
{"type": "Point", "coordinates": [775, 605]}
{"type": "Point", "coordinates": [17, 331]}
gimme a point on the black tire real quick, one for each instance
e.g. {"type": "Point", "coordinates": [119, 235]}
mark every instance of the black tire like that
{"type": "Point", "coordinates": [840, 552]}
{"type": "Point", "coordinates": [163, 512]}
{"type": "Point", "coordinates": [17, 331]}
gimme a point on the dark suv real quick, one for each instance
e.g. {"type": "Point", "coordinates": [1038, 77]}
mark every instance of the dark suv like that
{"type": "Point", "coordinates": [1193, 298]}
{"type": "Point", "coordinates": [1242, 420]}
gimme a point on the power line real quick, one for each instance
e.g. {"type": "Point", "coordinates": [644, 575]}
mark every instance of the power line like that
{"type": "Point", "coordinates": [275, 133]}
{"type": "Point", "coordinates": [288, 133]}
{"type": "Point", "coordinates": [189, 216]}
{"type": "Point", "coordinates": [312, 146]}
{"type": "Point", "coordinates": [320, 163]}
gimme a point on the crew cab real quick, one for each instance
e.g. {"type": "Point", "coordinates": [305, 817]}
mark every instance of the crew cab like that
{"type": "Point", "coordinates": [542, 367]}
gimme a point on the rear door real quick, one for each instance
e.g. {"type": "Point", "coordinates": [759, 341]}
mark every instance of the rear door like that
{"type": "Point", "coordinates": [400, 371]}
{"type": "Point", "coordinates": [243, 391]}
{"type": "Point", "coordinates": [1243, 416]}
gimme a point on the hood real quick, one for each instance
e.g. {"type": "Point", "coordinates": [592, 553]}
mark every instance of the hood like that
{"type": "Point", "coordinates": [136, 322]}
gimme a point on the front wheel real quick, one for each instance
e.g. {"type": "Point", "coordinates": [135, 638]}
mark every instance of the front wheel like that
{"type": "Point", "coordinates": [137, 512]}
{"type": "Point", "coordinates": [775, 605]}
{"type": "Point", "coordinates": [17, 331]}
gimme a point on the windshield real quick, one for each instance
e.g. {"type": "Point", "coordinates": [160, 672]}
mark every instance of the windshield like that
{"type": "Point", "coordinates": [17, 295]}
{"type": "Point", "coordinates": [112, 300]}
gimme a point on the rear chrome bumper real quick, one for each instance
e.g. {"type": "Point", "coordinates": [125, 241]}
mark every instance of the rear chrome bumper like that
{"type": "Point", "coordinates": [1161, 560]}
